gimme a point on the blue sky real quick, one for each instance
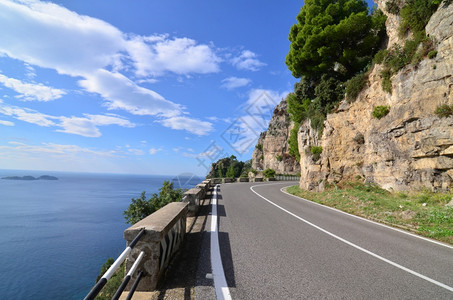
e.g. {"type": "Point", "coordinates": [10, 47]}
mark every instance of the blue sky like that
{"type": "Point", "coordinates": [141, 87]}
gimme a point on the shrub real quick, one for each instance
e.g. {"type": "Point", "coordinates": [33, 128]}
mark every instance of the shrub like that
{"type": "Point", "coordinates": [259, 147]}
{"type": "Point", "coordinates": [316, 152]}
{"type": "Point", "coordinates": [416, 14]}
{"type": "Point", "coordinates": [393, 6]}
{"type": "Point", "coordinates": [278, 157]}
{"type": "Point", "coordinates": [141, 208]}
{"type": "Point", "coordinates": [354, 86]}
{"type": "Point", "coordinates": [380, 56]}
{"type": "Point", "coordinates": [269, 173]}
{"type": "Point", "coordinates": [432, 54]}
{"type": "Point", "coordinates": [444, 111]}
{"type": "Point", "coordinates": [386, 82]}
{"type": "Point", "coordinates": [293, 143]}
{"type": "Point", "coordinates": [381, 111]}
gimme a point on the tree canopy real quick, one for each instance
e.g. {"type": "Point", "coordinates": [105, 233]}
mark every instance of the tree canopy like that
{"type": "Point", "coordinates": [338, 37]}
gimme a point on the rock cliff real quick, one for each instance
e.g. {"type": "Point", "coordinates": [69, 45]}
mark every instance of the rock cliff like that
{"type": "Point", "coordinates": [271, 150]}
{"type": "Point", "coordinates": [407, 149]}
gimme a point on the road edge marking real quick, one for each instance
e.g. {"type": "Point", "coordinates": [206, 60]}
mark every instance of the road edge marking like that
{"type": "Point", "coordinates": [220, 283]}
{"type": "Point", "coordinates": [367, 220]}
{"type": "Point", "coordinates": [440, 284]}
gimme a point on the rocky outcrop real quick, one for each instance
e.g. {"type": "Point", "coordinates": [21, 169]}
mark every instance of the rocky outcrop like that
{"type": "Point", "coordinates": [272, 148]}
{"type": "Point", "coordinates": [407, 149]}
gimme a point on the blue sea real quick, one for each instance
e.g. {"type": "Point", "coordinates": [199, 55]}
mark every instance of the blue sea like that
{"type": "Point", "coordinates": [55, 235]}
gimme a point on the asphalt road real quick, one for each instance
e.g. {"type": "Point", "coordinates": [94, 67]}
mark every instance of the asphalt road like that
{"type": "Point", "coordinates": [313, 252]}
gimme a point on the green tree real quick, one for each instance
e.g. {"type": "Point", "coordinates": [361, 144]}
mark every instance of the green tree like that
{"type": "Point", "coordinates": [335, 37]}
{"type": "Point", "coordinates": [140, 208]}
{"type": "Point", "coordinates": [268, 173]}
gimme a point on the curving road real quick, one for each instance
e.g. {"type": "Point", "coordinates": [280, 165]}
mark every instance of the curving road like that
{"type": "Point", "coordinates": [277, 246]}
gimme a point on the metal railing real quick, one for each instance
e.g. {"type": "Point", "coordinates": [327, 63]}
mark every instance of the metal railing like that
{"type": "Point", "coordinates": [287, 177]}
{"type": "Point", "coordinates": [107, 275]}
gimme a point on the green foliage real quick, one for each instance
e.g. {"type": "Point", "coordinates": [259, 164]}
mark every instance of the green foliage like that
{"type": "Point", "coordinates": [247, 167]}
{"type": "Point", "coordinates": [230, 167]}
{"type": "Point", "coordinates": [269, 173]}
{"type": "Point", "coordinates": [381, 111]}
{"type": "Point", "coordinates": [328, 93]}
{"type": "Point", "coordinates": [386, 82]}
{"type": "Point", "coordinates": [398, 57]}
{"type": "Point", "coordinates": [416, 14]}
{"type": "Point", "coordinates": [393, 6]}
{"type": "Point", "coordinates": [140, 208]}
{"type": "Point", "coordinates": [444, 111]}
{"type": "Point", "coordinates": [432, 54]}
{"type": "Point", "coordinates": [380, 56]}
{"type": "Point", "coordinates": [114, 282]}
{"type": "Point", "coordinates": [278, 157]}
{"type": "Point", "coordinates": [293, 143]}
{"type": "Point", "coordinates": [299, 102]}
{"type": "Point", "coordinates": [316, 152]}
{"type": "Point", "coordinates": [333, 37]}
{"type": "Point", "coordinates": [354, 86]}
{"type": "Point", "coordinates": [259, 147]}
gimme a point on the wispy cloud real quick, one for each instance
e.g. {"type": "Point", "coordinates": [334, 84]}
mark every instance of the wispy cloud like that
{"type": "Point", "coordinates": [192, 125]}
{"type": "Point", "coordinates": [31, 91]}
{"type": "Point", "coordinates": [153, 151]}
{"type": "Point", "coordinates": [247, 60]}
{"type": "Point", "coordinates": [85, 126]}
{"type": "Point", "coordinates": [234, 82]}
{"type": "Point", "coordinates": [6, 123]}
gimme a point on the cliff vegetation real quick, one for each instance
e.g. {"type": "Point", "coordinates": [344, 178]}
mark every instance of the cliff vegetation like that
{"type": "Point", "coordinates": [375, 94]}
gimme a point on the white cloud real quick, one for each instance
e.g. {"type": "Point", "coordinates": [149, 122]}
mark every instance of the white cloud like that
{"type": "Point", "coordinates": [31, 91]}
{"type": "Point", "coordinates": [153, 151]}
{"type": "Point", "coordinates": [247, 60]}
{"type": "Point", "coordinates": [88, 126]}
{"type": "Point", "coordinates": [85, 126]}
{"type": "Point", "coordinates": [6, 123]}
{"type": "Point", "coordinates": [191, 125]}
{"type": "Point", "coordinates": [50, 36]}
{"type": "Point", "coordinates": [155, 55]}
{"type": "Point", "coordinates": [234, 82]}
{"type": "Point", "coordinates": [122, 93]}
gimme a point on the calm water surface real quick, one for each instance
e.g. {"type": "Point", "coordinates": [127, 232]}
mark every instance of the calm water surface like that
{"type": "Point", "coordinates": [55, 235]}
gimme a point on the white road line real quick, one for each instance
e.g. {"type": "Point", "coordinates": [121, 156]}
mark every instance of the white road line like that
{"type": "Point", "coordinates": [220, 284]}
{"type": "Point", "coordinates": [440, 284]}
{"type": "Point", "coordinates": [370, 221]}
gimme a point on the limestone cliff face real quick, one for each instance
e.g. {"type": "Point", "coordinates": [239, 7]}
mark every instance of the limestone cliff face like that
{"type": "Point", "coordinates": [272, 147]}
{"type": "Point", "coordinates": [410, 147]}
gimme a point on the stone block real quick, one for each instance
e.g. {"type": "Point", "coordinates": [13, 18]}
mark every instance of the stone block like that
{"type": "Point", "coordinates": [439, 162]}
{"type": "Point", "coordinates": [164, 232]}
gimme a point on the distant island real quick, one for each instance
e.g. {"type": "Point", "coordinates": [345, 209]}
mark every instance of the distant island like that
{"type": "Point", "coordinates": [43, 177]}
